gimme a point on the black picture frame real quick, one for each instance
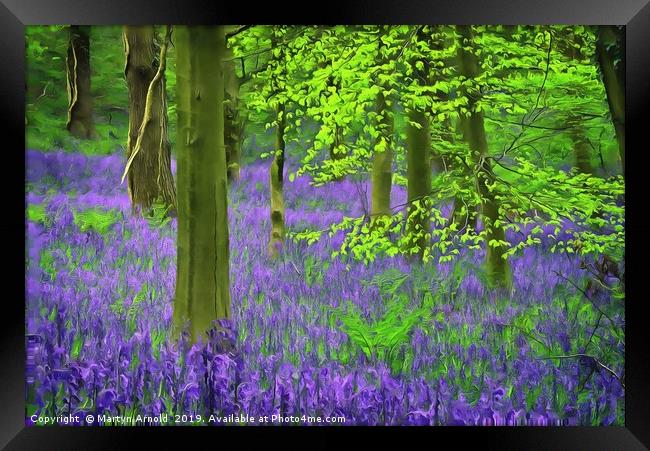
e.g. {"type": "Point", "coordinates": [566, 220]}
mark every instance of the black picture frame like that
{"type": "Point", "coordinates": [635, 14]}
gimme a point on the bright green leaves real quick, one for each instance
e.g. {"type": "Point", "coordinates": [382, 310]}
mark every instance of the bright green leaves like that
{"type": "Point", "coordinates": [534, 86]}
{"type": "Point", "coordinates": [385, 338]}
{"type": "Point", "coordinates": [96, 219]}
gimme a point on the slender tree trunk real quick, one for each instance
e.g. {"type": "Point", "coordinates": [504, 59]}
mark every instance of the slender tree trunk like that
{"type": "Point", "coordinates": [338, 139]}
{"type": "Point", "coordinates": [474, 132]}
{"type": "Point", "coordinates": [581, 150]}
{"type": "Point", "coordinates": [276, 185]}
{"type": "Point", "coordinates": [382, 169]}
{"type": "Point", "coordinates": [80, 121]}
{"type": "Point", "coordinates": [419, 181]}
{"type": "Point", "coordinates": [232, 120]}
{"type": "Point", "coordinates": [461, 214]}
{"type": "Point", "coordinates": [614, 79]}
{"type": "Point", "coordinates": [334, 152]}
{"type": "Point", "coordinates": [382, 179]}
{"type": "Point", "coordinates": [150, 177]}
{"type": "Point", "coordinates": [202, 283]}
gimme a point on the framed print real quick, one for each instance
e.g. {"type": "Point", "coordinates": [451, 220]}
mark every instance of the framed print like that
{"type": "Point", "coordinates": [376, 219]}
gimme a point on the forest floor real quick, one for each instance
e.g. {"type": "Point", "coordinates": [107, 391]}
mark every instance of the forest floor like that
{"type": "Point", "coordinates": [390, 342]}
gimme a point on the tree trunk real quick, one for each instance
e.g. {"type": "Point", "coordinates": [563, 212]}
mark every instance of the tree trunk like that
{"type": "Point", "coordinates": [382, 169]}
{"type": "Point", "coordinates": [149, 177]}
{"type": "Point", "coordinates": [582, 150]}
{"type": "Point", "coordinates": [232, 120]}
{"type": "Point", "coordinates": [338, 139]}
{"type": "Point", "coordinates": [276, 184]}
{"type": "Point", "coordinates": [419, 182]}
{"type": "Point", "coordinates": [614, 80]}
{"type": "Point", "coordinates": [334, 152]}
{"type": "Point", "coordinates": [474, 133]}
{"type": "Point", "coordinates": [469, 217]}
{"type": "Point", "coordinates": [202, 284]}
{"type": "Point", "coordinates": [382, 179]}
{"type": "Point", "coordinates": [80, 105]}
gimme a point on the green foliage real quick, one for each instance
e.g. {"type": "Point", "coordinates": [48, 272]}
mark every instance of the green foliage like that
{"type": "Point", "coordinates": [158, 216]}
{"type": "Point", "coordinates": [96, 219]}
{"type": "Point", "coordinates": [37, 213]}
{"type": "Point", "coordinates": [77, 345]}
{"type": "Point", "coordinates": [314, 271]}
{"type": "Point", "coordinates": [389, 281]}
{"type": "Point", "coordinates": [47, 103]}
{"type": "Point", "coordinates": [385, 339]}
{"type": "Point", "coordinates": [47, 263]}
{"type": "Point", "coordinates": [535, 95]}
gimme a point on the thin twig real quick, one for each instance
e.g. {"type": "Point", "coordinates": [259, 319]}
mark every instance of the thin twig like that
{"type": "Point", "coordinates": [590, 300]}
{"type": "Point", "coordinates": [237, 31]}
{"type": "Point", "coordinates": [587, 356]}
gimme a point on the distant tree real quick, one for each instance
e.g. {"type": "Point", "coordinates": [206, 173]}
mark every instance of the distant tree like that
{"type": "Point", "coordinates": [474, 131]}
{"type": "Point", "coordinates": [418, 156]}
{"type": "Point", "coordinates": [202, 280]}
{"type": "Point", "coordinates": [80, 121]}
{"type": "Point", "coordinates": [278, 100]}
{"type": "Point", "coordinates": [382, 160]}
{"type": "Point", "coordinates": [149, 176]}
{"type": "Point", "coordinates": [610, 49]}
{"type": "Point", "coordinates": [573, 49]}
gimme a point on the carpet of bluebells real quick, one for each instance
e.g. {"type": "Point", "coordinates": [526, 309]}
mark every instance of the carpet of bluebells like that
{"type": "Point", "coordinates": [99, 309]}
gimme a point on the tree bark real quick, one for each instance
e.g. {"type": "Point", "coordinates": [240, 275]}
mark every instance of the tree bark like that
{"type": "Point", "coordinates": [474, 132]}
{"type": "Point", "coordinates": [581, 150]}
{"type": "Point", "coordinates": [80, 121]}
{"type": "Point", "coordinates": [202, 284]}
{"type": "Point", "coordinates": [418, 172]}
{"type": "Point", "coordinates": [276, 183]}
{"type": "Point", "coordinates": [419, 181]}
{"type": "Point", "coordinates": [382, 169]}
{"type": "Point", "coordinates": [614, 79]}
{"type": "Point", "coordinates": [149, 177]}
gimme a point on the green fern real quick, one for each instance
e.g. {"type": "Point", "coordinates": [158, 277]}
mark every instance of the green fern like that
{"type": "Point", "coordinates": [36, 213]}
{"type": "Point", "coordinates": [95, 219]}
{"type": "Point", "coordinates": [158, 216]}
{"type": "Point", "coordinates": [385, 339]}
{"type": "Point", "coordinates": [389, 281]}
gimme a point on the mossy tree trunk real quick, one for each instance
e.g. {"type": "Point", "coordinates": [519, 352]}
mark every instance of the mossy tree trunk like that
{"type": "Point", "coordinates": [581, 150]}
{"type": "Point", "coordinates": [382, 163]}
{"type": "Point", "coordinates": [473, 126]}
{"type": "Point", "coordinates": [80, 121]}
{"type": "Point", "coordinates": [609, 40]}
{"type": "Point", "coordinates": [276, 182]}
{"type": "Point", "coordinates": [418, 162]}
{"type": "Point", "coordinates": [149, 177]}
{"type": "Point", "coordinates": [581, 147]}
{"type": "Point", "coordinates": [202, 284]}
{"type": "Point", "coordinates": [232, 119]}
{"type": "Point", "coordinates": [382, 169]}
